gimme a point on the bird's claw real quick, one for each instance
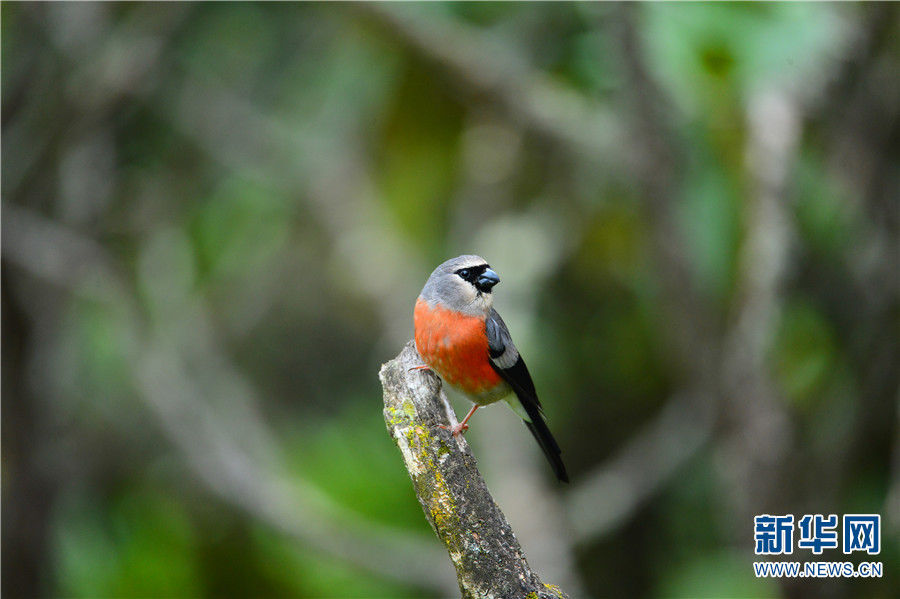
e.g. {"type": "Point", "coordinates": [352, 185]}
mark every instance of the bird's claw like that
{"type": "Point", "coordinates": [456, 430]}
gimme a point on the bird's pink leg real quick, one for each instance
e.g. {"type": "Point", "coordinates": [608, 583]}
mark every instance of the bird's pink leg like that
{"type": "Point", "coordinates": [422, 367]}
{"type": "Point", "coordinates": [462, 426]}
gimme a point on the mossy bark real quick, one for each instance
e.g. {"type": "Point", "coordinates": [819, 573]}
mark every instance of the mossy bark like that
{"type": "Point", "coordinates": [487, 556]}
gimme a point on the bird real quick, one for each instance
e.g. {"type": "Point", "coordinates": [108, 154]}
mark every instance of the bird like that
{"type": "Point", "coordinates": [461, 337]}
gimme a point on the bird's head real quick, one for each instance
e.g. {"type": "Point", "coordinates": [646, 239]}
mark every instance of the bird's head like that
{"type": "Point", "coordinates": [463, 284]}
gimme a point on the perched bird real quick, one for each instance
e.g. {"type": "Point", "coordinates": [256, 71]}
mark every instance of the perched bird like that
{"type": "Point", "coordinates": [462, 338]}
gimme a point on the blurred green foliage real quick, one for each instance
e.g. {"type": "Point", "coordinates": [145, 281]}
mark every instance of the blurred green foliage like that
{"type": "Point", "coordinates": [256, 192]}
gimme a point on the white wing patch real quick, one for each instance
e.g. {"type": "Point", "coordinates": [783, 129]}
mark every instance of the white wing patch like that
{"type": "Point", "coordinates": [503, 352]}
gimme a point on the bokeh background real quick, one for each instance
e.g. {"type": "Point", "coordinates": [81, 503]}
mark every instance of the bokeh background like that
{"type": "Point", "coordinates": [216, 219]}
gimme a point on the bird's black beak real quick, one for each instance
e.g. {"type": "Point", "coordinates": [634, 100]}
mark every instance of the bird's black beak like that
{"type": "Point", "coordinates": [486, 280]}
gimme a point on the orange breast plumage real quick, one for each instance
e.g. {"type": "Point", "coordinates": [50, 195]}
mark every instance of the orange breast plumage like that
{"type": "Point", "coordinates": [455, 346]}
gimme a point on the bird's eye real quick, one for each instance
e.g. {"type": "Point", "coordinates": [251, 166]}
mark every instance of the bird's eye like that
{"type": "Point", "coordinates": [464, 273]}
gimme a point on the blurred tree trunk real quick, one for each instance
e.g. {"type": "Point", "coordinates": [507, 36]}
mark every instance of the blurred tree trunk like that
{"type": "Point", "coordinates": [27, 502]}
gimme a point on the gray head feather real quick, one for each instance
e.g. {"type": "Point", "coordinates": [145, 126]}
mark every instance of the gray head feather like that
{"type": "Point", "coordinates": [445, 287]}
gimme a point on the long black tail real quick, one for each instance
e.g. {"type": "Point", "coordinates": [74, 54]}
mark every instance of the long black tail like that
{"type": "Point", "coordinates": [519, 379]}
{"type": "Point", "coordinates": [545, 439]}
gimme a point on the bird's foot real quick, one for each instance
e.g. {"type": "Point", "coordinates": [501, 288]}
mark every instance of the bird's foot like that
{"type": "Point", "coordinates": [422, 367]}
{"type": "Point", "coordinates": [456, 430]}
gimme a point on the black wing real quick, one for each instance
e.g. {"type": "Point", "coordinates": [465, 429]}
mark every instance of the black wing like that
{"type": "Point", "coordinates": [508, 363]}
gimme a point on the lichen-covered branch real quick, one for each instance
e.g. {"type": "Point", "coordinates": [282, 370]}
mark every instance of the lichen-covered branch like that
{"type": "Point", "coordinates": [488, 559]}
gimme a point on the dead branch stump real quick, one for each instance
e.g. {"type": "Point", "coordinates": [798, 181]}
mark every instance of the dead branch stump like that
{"type": "Point", "coordinates": [487, 556]}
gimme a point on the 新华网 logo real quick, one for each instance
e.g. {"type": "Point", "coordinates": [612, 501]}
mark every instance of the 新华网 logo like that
{"type": "Point", "coordinates": [774, 535]}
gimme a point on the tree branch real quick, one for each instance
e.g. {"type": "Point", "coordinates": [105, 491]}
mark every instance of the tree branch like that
{"type": "Point", "coordinates": [758, 426]}
{"type": "Point", "coordinates": [488, 558]}
{"type": "Point", "coordinates": [485, 69]}
{"type": "Point", "coordinates": [613, 492]}
{"type": "Point", "coordinates": [659, 172]}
